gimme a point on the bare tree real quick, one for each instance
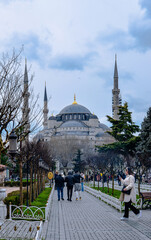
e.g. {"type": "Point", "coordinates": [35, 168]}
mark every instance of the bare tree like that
{"type": "Point", "coordinates": [12, 94]}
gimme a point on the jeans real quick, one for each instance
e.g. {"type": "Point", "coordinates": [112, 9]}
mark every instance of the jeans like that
{"type": "Point", "coordinates": [60, 189]}
{"type": "Point", "coordinates": [69, 192]}
{"type": "Point", "coordinates": [82, 187]}
{"type": "Point", "coordinates": [127, 206]}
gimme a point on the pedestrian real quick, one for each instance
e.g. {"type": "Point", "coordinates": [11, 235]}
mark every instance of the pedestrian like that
{"type": "Point", "coordinates": [82, 182]}
{"type": "Point", "coordinates": [56, 175]}
{"type": "Point", "coordinates": [69, 179]}
{"type": "Point", "coordinates": [77, 187]}
{"type": "Point", "coordinates": [130, 198]}
{"type": "Point", "coordinates": [59, 183]}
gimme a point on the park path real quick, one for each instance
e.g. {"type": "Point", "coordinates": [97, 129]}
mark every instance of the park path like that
{"type": "Point", "coordinates": [92, 219]}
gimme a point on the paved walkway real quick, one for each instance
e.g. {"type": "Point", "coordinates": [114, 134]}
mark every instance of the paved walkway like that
{"type": "Point", "coordinates": [91, 219]}
{"type": "Point", "coordinates": [18, 229]}
{"type": "Point", "coordinates": [10, 189]}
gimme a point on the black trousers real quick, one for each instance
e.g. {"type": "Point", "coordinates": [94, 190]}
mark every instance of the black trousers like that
{"type": "Point", "coordinates": [69, 192]}
{"type": "Point", "coordinates": [129, 205]}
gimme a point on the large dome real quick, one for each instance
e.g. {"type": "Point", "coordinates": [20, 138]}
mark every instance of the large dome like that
{"type": "Point", "coordinates": [74, 108]}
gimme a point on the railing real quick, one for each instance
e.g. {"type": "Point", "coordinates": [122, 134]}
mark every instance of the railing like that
{"type": "Point", "coordinates": [39, 230]}
{"type": "Point", "coordinates": [143, 187]}
{"type": "Point", "coordinates": [48, 205]}
{"type": "Point", "coordinates": [114, 202]}
{"type": "Point", "coordinates": [31, 213]}
{"type": "Point", "coordinates": [26, 213]}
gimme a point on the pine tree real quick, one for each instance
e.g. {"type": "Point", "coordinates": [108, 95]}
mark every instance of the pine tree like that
{"type": "Point", "coordinates": [144, 147]}
{"type": "Point", "coordinates": [78, 163]}
{"type": "Point", "coordinates": [123, 131]}
{"type": "Point", "coordinates": [124, 128]}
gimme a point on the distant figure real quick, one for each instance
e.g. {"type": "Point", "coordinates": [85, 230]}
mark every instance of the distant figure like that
{"type": "Point", "coordinates": [77, 187]}
{"type": "Point", "coordinates": [82, 182]}
{"type": "Point", "coordinates": [56, 175]}
{"type": "Point", "coordinates": [59, 183]}
{"type": "Point", "coordinates": [69, 179]}
{"type": "Point", "coordinates": [128, 183]}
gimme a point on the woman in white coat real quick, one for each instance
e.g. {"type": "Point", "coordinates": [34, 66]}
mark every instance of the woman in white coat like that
{"type": "Point", "coordinates": [128, 182]}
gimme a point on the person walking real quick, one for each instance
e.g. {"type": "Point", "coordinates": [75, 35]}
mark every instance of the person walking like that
{"type": "Point", "coordinates": [130, 198]}
{"type": "Point", "coordinates": [77, 188]}
{"type": "Point", "coordinates": [59, 183]}
{"type": "Point", "coordinates": [82, 182]}
{"type": "Point", "coordinates": [69, 179]}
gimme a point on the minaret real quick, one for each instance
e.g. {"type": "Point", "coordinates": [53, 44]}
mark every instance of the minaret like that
{"type": "Point", "coordinates": [26, 109]}
{"type": "Point", "coordinates": [45, 111]}
{"type": "Point", "coordinates": [116, 100]}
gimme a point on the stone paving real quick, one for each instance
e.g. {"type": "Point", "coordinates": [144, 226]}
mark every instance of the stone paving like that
{"type": "Point", "coordinates": [18, 229]}
{"type": "Point", "coordinates": [10, 189]}
{"type": "Point", "coordinates": [91, 219]}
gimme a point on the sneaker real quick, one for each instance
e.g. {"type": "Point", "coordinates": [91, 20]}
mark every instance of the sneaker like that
{"type": "Point", "coordinates": [124, 218]}
{"type": "Point", "coordinates": [70, 200]}
{"type": "Point", "coordinates": [62, 198]}
{"type": "Point", "coordinates": [80, 198]}
{"type": "Point", "coordinates": [140, 214]}
{"type": "Point", "coordinates": [58, 199]}
{"type": "Point", "coordinates": [76, 199]}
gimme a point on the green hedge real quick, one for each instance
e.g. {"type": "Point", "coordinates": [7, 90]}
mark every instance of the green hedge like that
{"type": "Point", "coordinates": [41, 200]}
{"type": "Point", "coordinates": [16, 184]}
{"type": "Point", "coordinates": [14, 198]}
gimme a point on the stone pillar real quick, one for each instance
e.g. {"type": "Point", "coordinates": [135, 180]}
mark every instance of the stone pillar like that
{"type": "Point", "coordinates": [3, 209]}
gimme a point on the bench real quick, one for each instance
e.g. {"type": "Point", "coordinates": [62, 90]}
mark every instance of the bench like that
{"type": "Point", "coordinates": [146, 199]}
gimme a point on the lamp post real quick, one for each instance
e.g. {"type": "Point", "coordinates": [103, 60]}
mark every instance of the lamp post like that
{"type": "Point", "coordinates": [12, 144]}
{"type": "Point", "coordinates": [27, 203]}
{"type": "Point", "coordinates": [40, 166]}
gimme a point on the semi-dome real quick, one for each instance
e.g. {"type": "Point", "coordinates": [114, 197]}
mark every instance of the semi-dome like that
{"type": "Point", "coordinates": [104, 127]}
{"type": "Point", "coordinates": [74, 108]}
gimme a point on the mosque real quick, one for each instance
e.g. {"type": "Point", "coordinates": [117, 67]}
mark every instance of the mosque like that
{"type": "Point", "coordinates": [77, 124]}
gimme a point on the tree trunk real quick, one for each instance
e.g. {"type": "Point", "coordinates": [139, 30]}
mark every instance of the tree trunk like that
{"type": "Point", "coordinates": [0, 154]}
{"type": "Point", "coordinates": [35, 184]}
{"type": "Point", "coordinates": [98, 185]}
{"type": "Point", "coordinates": [139, 185]}
{"type": "Point", "coordinates": [94, 179]}
{"type": "Point", "coordinates": [112, 184]}
{"type": "Point", "coordinates": [21, 180]}
{"type": "Point", "coordinates": [108, 184]}
{"type": "Point", "coordinates": [31, 180]}
{"type": "Point", "coordinates": [40, 173]}
{"type": "Point", "coordinates": [38, 185]}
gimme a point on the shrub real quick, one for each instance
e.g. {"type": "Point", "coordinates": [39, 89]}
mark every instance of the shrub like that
{"type": "Point", "coordinates": [14, 198]}
{"type": "Point", "coordinates": [16, 184]}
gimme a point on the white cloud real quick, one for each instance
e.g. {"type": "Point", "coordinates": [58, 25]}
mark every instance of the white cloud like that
{"type": "Point", "coordinates": [62, 36]}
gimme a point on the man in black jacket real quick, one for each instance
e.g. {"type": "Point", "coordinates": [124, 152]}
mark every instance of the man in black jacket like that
{"type": "Point", "coordinates": [70, 181]}
{"type": "Point", "coordinates": [59, 183]}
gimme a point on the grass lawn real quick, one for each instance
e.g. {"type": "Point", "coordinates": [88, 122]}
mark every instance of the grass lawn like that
{"type": "Point", "coordinates": [41, 200]}
{"type": "Point", "coordinates": [116, 194]}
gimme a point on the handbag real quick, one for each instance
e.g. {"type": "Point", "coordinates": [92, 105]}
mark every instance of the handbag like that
{"type": "Point", "coordinates": [127, 191]}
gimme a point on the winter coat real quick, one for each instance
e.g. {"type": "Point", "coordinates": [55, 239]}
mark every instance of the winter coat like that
{"type": "Point", "coordinates": [70, 180]}
{"type": "Point", "coordinates": [129, 183]}
{"type": "Point", "coordinates": [77, 178]}
{"type": "Point", "coordinates": [59, 181]}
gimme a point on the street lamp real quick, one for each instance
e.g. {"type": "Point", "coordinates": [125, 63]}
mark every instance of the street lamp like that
{"type": "Point", "coordinates": [13, 144]}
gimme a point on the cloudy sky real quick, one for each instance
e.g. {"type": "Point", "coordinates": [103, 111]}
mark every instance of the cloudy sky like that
{"type": "Point", "coordinates": [71, 44]}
